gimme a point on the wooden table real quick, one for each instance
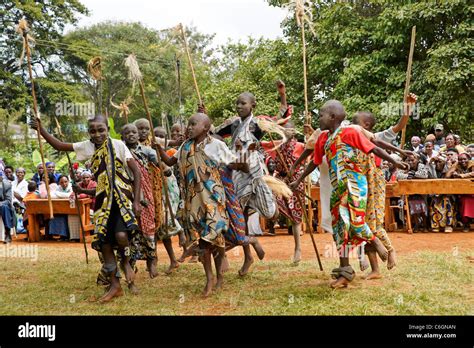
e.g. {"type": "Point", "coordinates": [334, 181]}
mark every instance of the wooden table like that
{"type": "Point", "coordinates": [35, 207]}
{"type": "Point", "coordinates": [424, 187]}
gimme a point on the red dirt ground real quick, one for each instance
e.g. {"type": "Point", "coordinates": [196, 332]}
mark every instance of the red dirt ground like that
{"type": "Point", "coordinates": [280, 247]}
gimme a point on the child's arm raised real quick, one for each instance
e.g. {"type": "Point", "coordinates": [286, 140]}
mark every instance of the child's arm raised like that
{"type": "Point", "coordinates": [54, 142]}
{"type": "Point", "coordinates": [411, 100]}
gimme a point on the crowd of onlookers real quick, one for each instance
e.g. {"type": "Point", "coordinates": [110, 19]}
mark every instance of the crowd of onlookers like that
{"type": "Point", "coordinates": [16, 190]}
{"type": "Point", "coordinates": [439, 156]}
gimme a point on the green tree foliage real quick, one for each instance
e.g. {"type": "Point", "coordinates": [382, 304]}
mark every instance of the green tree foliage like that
{"type": "Point", "coordinates": [360, 51]}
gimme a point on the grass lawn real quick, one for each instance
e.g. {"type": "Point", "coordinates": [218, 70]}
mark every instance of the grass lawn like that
{"type": "Point", "coordinates": [60, 283]}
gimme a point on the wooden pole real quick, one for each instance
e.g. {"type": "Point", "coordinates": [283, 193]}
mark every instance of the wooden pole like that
{"type": "Point", "coordinates": [406, 108]}
{"type": "Point", "coordinates": [307, 120]}
{"type": "Point", "coordinates": [163, 179]}
{"type": "Point", "coordinates": [308, 221]}
{"type": "Point", "coordinates": [196, 87]}
{"type": "Point", "coordinates": [38, 132]}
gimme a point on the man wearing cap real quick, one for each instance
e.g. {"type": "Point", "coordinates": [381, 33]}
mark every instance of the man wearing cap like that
{"type": "Point", "coordinates": [439, 134]}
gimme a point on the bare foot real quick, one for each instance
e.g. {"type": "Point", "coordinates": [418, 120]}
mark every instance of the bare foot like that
{"type": "Point", "coordinates": [246, 266]}
{"type": "Point", "coordinates": [392, 259]}
{"type": "Point", "coordinates": [208, 288]}
{"type": "Point", "coordinates": [364, 264]}
{"type": "Point", "coordinates": [193, 259]}
{"type": "Point", "coordinates": [151, 267]}
{"type": "Point", "coordinates": [341, 282]}
{"type": "Point", "coordinates": [297, 256]}
{"type": "Point", "coordinates": [258, 248]}
{"type": "Point", "coordinates": [380, 249]}
{"type": "Point", "coordinates": [172, 267]}
{"type": "Point", "coordinates": [220, 281]}
{"type": "Point", "coordinates": [133, 289]}
{"type": "Point", "coordinates": [373, 275]}
{"type": "Point", "coordinates": [114, 291]}
{"type": "Point", "coordinates": [129, 273]}
{"type": "Point", "coordinates": [225, 265]}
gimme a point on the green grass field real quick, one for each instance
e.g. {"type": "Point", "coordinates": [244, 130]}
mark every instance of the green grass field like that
{"type": "Point", "coordinates": [60, 283]}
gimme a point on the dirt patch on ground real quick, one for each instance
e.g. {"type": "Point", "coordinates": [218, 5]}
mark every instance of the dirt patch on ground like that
{"type": "Point", "coordinates": [280, 247]}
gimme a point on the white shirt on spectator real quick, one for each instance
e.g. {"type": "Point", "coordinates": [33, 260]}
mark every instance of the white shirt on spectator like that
{"type": "Point", "coordinates": [20, 188]}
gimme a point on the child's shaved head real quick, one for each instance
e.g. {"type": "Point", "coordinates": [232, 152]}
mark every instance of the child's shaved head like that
{"type": "Point", "coordinates": [365, 119]}
{"type": "Point", "coordinates": [249, 96]}
{"type": "Point", "coordinates": [99, 119]}
{"type": "Point", "coordinates": [335, 107]}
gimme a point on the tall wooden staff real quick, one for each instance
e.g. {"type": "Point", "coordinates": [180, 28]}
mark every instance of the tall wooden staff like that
{"type": "Point", "coordinates": [303, 15]}
{"type": "Point", "coordinates": [406, 107]}
{"type": "Point", "coordinates": [185, 41]}
{"type": "Point", "coordinates": [135, 75]}
{"type": "Point", "coordinates": [23, 30]}
{"type": "Point", "coordinates": [306, 216]}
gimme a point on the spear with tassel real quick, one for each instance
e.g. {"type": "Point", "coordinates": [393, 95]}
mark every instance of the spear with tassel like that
{"type": "Point", "coordinates": [135, 75]}
{"type": "Point", "coordinates": [303, 16]}
{"type": "Point", "coordinates": [23, 30]}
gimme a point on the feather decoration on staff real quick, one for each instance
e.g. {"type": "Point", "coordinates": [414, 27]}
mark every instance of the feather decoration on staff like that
{"type": "Point", "coordinates": [135, 75]}
{"type": "Point", "coordinates": [94, 67]}
{"type": "Point", "coordinates": [278, 187]}
{"type": "Point", "coordinates": [272, 127]}
{"type": "Point", "coordinates": [23, 30]}
{"type": "Point", "coordinates": [123, 108]}
{"type": "Point", "coordinates": [303, 13]}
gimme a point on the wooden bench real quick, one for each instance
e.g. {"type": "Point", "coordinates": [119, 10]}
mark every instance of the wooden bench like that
{"type": "Point", "coordinates": [424, 187]}
{"type": "Point", "coordinates": [35, 207]}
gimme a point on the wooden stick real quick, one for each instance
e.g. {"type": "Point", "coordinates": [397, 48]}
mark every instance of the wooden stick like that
{"type": "Point", "coordinates": [163, 179]}
{"type": "Point", "coordinates": [76, 198]}
{"type": "Point", "coordinates": [35, 109]}
{"type": "Point", "coordinates": [407, 82]}
{"type": "Point", "coordinates": [196, 87]}
{"type": "Point", "coordinates": [308, 221]}
{"type": "Point", "coordinates": [307, 116]}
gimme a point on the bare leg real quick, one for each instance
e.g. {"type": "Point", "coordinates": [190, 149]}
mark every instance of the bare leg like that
{"type": "Point", "coordinates": [206, 262]}
{"type": "Point", "coordinates": [182, 243]}
{"type": "Point", "coordinates": [375, 274]}
{"type": "Point", "coordinates": [296, 235]}
{"type": "Point", "coordinates": [218, 261]}
{"type": "Point", "coordinates": [247, 252]}
{"type": "Point", "coordinates": [248, 261]}
{"type": "Point", "coordinates": [110, 264]}
{"type": "Point", "coordinates": [380, 249]}
{"type": "Point", "coordinates": [362, 260]}
{"type": "Point", "coordinates": [173, 262]}
{"type": "Point", "coordinates": [257, 247]}
{"type": "Point", "coordinates": [392, 259]}
{"type": "Point", "coordinates": [151, 266]}
{"type": "Point", "coordinates": [341, 282]}
{"type": "Point", "coordinates": [123, 246]}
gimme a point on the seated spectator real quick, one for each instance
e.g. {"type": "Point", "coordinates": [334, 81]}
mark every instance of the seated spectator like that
{"type": "Point", "coordinates": [431, 156]}
{"type": "Point", "coordinates": [87, 184]}
{"type": "Point", "coordinates": [6, 209]}
{"type": "Point", "coordinates": [464, 169]}
{"type": "Point", "coordinates": [439, 136]}
{"type": "Point", "coordinates": [8, 174]}
{"type": "Point", "coordinates": [416, 145]}
{"type": "Point", "coordinates": [470, 151]}
{"type": "Point", "coordinates": [390, 171]}
{"type": "Point", "coordinates": [417, 203]}
{"type": "Point", "coordinates": [32, 193]}
{"type": "Point", "coordinates": [52, 186]}
{"type": "Point", "coordinates": [451, 144]}
{"type": "Point", "coordinates": [51, 168]}
{"type": "Point", "coordinates": [19, 187]}
{"type": "Point", "coordinates": [59, 225]}
{"type": "Point", "coordinates": [37, 176]}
